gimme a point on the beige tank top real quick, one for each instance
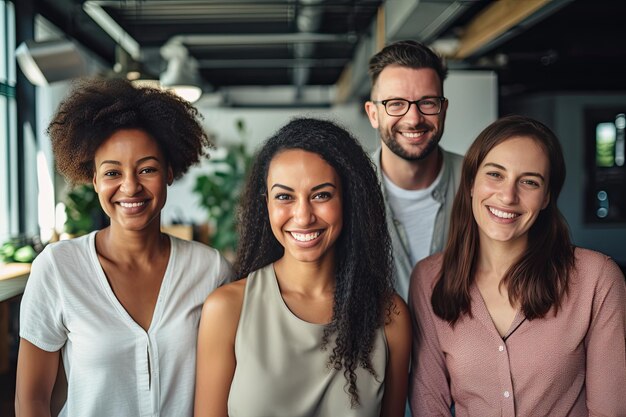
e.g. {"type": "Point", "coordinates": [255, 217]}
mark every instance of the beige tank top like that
{"type": "Point", "coordinates": [281, 369]}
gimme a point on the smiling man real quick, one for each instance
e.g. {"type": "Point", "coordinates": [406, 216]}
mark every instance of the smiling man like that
{"type": "Point", "coordinates": [419, 179]}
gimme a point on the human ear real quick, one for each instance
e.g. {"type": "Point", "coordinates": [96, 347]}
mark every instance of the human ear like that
{"type": "Point", "coordinates": [94, 182]}
{"type": "Point", "coordinates": [546, 201]}
{"type": "Point", "coordinates": [444, 110]}
{"type": "Point", "coordinates": [170, 175]}
{"type": "Point", "coordinates": [372, 113]}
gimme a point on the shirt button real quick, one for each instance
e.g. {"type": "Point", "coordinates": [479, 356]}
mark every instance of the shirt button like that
{"type": "Point", "coordinates": [507, 394]}
{"type": "Point", "coordinates": [500, 348]}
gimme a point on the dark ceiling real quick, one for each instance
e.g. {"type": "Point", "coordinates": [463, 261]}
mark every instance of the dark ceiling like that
{"type": "Point", "coordinates": [260, 61]}
{"type": "Point", "coordinates": [313, 34]}
{"type": "Point", "coordinates": [579, 48]}
{"type": "Point", "coordinates": [569, 45]}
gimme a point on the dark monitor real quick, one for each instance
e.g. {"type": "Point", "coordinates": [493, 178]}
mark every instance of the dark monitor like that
{"type": "Point", "coordinates": [605, 191]}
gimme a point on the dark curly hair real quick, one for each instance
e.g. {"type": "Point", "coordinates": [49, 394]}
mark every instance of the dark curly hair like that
{"type": "Point", "coordinates": [410, 54]}
{"type": "Point", "coordinates": [97, 108]}
{"type": "Point", "coordinates": [364, 284]}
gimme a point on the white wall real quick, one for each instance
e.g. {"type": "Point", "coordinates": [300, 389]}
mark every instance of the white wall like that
{"type": "Point", "coordinates": [260, 124]}
{"type": "Point", "coordinates": [473, 105]}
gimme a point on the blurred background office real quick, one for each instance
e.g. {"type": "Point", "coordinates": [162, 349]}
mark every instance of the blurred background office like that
{"type": "Point", "coordinates": [251, 65]}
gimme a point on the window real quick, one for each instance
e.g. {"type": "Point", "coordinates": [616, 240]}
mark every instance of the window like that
{"type": "Point", "coordinates": [8, 127]}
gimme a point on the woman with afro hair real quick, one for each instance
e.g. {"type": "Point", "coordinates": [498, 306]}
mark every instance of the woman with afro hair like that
{"type": "Point", "coordinates": [313, 327]}
{"type": "Point", "coordinates": [120, 306]}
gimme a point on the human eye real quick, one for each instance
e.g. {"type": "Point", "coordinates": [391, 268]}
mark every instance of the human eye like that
{"type": "Point", "coordinates": [147, 170]}
{"type": "Point", "coordinates": [428, 103]}
{"type": "Point", "coordinates": [395, 104]}
{"type": "Point", "coordinates": [111, 173]}
{"type": "Point", "coordinates": [531, 182]}
{"type": "Point", "coordinates": [494, 174]}
{"type": "Point", "coordinates": [324, 195]}
{"type": "Point", "coordinates": [282, 197]}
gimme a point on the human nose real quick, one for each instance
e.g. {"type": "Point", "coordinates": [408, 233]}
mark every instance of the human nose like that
{"type": "Point", "coordinates": [508, 192]}
{"type": "Point", "coordinates": [130, 185]}
{"type": "Point", "coordinates": [413, 112]}
{"type": "Point", "coordinates": [303, 213]}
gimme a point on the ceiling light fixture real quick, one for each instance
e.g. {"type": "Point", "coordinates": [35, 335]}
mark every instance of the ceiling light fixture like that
{"type": "Point", "coordinates": [181, 75]}
{"type": "Point", "coordinates": [53, 60]}
{"type": "Point", "coordinates": [132, 70]}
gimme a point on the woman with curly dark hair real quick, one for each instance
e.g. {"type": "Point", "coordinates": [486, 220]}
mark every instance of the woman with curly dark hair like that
{"type": "Point", "coordinates": [314, 328]}
{"type": "Point", "coordinates": [120, 307]}
{"type": "Point", "coordinates": [512, 319]}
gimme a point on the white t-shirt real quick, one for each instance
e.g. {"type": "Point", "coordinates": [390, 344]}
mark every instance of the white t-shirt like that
{"type": "Point", "coordinates": [416, 210]}
{"type": "Point", "coordinates": [113, 366]}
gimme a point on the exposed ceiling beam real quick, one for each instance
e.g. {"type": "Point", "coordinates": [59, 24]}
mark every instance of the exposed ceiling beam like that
{"type": "Point", "coordinates": [452, 10]}
{"type": "Point", "coordinates": [354, 74]}
{"type": "Point", "coordinates": [499, 17]}
{"type": "Point", "coordinates": [272, 63]}
{"type": "Point", "coordinates": [257, 39]}
{"type": "Point", "coordinates": [110, 26]}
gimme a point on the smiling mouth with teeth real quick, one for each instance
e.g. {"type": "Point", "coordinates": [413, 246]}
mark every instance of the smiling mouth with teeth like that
{"type": "Point", "coordinates": [412, 135]}
{"type": "Point", "coordinates": [130, 205]}
{"type": "Point", "coordinates": [502, 214]}
{"type": "Point", "coordinates": [305, 237]}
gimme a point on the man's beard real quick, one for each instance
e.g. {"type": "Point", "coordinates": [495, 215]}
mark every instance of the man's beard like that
{"type": "Point", "coordinates": [395, 147]}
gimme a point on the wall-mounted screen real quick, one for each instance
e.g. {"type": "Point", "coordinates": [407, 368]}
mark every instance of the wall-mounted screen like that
{"type": "Point", "coordinates": [605, 193]}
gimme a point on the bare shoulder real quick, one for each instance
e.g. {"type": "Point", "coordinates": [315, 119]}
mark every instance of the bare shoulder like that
{"type": "Point", "coordinates": [225, 302]}
{"type": "Point", "coordinates": [399, 309]}
{"type": "Point", "coordinates": [398, 335]}
{"type": "Point", "coordinates": [398, 322]}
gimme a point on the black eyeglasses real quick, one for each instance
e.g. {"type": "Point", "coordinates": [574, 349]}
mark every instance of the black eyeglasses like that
{"type": "Point", "coordinates": [398, 107]}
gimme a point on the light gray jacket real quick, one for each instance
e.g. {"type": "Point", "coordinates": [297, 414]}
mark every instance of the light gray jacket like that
{"type": "Point", "coordinates": [443, 193]}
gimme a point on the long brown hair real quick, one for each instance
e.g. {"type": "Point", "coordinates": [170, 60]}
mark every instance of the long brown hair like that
{"type": "Point", "coordinates": [539, 279]}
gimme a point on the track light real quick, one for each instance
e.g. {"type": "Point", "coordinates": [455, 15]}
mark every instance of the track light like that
{"type": "Point", "coordinates": [129, 68]}
{"type": "Point", "coordinates": [53, 60]}
{"type": "Point", "coordinates": [181, 75]}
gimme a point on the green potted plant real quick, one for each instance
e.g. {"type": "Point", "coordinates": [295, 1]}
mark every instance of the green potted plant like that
{"type": "Point", "coordinates": [20, 249]}
{"type": "Point", "coordinates": [83, 211]}
{"type": "Point", "coordinates": [219, 192]}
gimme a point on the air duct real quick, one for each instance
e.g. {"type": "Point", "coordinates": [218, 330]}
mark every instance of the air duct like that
{"type": "Point", "coordinates": [308, 21]}
{"type": "Point", "coordinates": [49, 61]}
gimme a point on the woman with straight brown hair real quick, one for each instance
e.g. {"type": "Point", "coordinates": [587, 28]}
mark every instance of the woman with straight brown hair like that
{"type": "Point", "coordinates": [512, 319]}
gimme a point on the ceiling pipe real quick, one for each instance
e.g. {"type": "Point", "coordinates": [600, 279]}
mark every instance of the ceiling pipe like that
{"type": "Point", "coordinates": [110, 26]}
{"type": "Point", "coordinates": [271, 63]}
{"type": "Point", "coordinates": [308, 21]}
{"type": "Point", "coordinates": [256, 39]}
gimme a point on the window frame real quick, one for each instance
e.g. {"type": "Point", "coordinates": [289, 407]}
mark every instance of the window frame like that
{"type": "Point", "coordinates": [8, 123]}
